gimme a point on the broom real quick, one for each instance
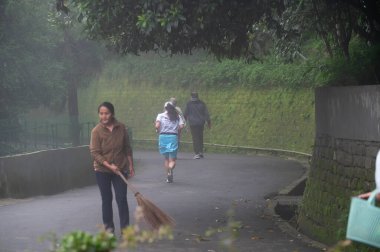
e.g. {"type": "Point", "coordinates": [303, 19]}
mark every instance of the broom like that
{"type": "Point", "coordinates": [153, 215]}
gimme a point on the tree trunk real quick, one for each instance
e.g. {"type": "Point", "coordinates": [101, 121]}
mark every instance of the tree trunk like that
{"type": "Point", "coordinates": [72, 94]}
{"type": "Point", "coordinates": [343, 28]}
{"type": "Point", "coordinates": [73, 113]}
{"type": "Point", "coordinates": [321, 31]}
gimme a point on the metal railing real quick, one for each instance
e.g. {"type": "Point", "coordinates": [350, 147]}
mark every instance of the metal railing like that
{"type": "Point", "coordinates": [20, 137]}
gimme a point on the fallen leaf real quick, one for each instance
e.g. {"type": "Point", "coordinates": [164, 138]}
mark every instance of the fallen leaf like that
{"type": "Point", "coordinates": [200, 238]}
{"type": "Point", "coordinates": [255, 238]}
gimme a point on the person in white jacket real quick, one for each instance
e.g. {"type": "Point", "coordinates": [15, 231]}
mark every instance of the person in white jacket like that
{"type": "Point", "coordinates": [169, 125]}
{"type": "Point", "coordinates": [377, 180]}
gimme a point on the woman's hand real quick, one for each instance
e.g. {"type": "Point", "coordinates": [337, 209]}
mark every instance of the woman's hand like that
{"type": "Point", "coordinates": [111, 167]}
{"type": "Point", "coordinates": [114, 169]}
{"type": "Point", "coordinates": [131, 171]}
{"type": "Point", "coordinates": [157, 126]}
{"type": "Point", "coordinates": [366, 196]}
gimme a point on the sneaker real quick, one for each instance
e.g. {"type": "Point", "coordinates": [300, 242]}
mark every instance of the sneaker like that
{"type": "Point", "coordinates": [170, 176]}
{"type": "Point", "coordinates": [201, 155]}
{"type": "Point", "coordinates": [197, 156]}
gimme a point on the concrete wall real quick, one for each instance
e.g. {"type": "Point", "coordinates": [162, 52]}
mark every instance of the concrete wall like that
{"type": "Point", "coordinates": [45, 172]}
{"type": "Point", "coordinates": [348, 112]}
{"type": "Point", "coordinates": [343, 163]}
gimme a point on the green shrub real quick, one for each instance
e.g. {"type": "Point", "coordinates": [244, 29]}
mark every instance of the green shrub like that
{"type": "Point", "coordinates": [80, 241]}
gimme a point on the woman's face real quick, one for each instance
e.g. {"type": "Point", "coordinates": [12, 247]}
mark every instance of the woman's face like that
{"type": "Point", "coordinates": [105, 115]}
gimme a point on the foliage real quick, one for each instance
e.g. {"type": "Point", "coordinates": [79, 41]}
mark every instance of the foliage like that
{"type": "Point", "coordinates": [231, 231]}
{"type": "Point", "coordinates": [80, 241]}
{"type": "Point", "coordinates": [227, 28]}
{"type": "Point", "coordinates": [274, 118]}
{"type": "Point", "coordinates": [27, 52]}
{"type": "Point", "coordinates": [235, 29]}
{"type": "Point", "coordinates": [204, 71]}
{"type": "Point", "coordinates": [335, 22]}
{"type": "Point", "coordinates": [44, 58]}
{"type": "Point", "coordinates": [362, 69]}
{"type": "Point", "coordinates": [177, 27]}
{"type": "Point", "coordinates": [104, 241]}
{"type": "Point", "coordinates": [36, 68]}
{"type": "Point", "coordinates": [132, 236]}
{"type": "Point", "coordinates": [81, 61]}
{"type": "Point", "coordinates": [81, 58]}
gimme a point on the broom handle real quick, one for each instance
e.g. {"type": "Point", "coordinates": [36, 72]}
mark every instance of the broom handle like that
{"type": "Point", "coordinates": [134, 190]}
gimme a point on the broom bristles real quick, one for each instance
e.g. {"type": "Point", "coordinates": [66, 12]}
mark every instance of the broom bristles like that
{"type": "Point", "coordinates": [153, 215]}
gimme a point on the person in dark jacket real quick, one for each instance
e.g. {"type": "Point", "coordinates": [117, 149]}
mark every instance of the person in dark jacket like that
{"type": "Point", "coordinates": [197, 115]}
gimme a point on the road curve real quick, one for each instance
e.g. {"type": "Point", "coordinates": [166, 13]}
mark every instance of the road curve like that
{"type": "Point", "coordinates": [202, 193]}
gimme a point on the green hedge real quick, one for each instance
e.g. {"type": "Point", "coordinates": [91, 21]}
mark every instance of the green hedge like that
{"type": "Point", "coordinates": [274, 117]}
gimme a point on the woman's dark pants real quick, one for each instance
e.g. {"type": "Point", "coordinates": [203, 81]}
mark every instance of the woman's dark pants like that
{"type": "Point", "coordinates": [104, 180]}
{"type": "Point", "coordinates": [197, 135]}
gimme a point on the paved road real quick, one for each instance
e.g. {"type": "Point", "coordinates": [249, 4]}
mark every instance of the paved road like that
{"type": "Point", "coordinates": [202, 193]}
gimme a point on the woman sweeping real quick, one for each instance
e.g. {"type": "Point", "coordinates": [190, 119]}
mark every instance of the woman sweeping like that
{"type": "Point", "coordinates": [169, 126]}
{"type": "Point", "coordinates": [112, 152]}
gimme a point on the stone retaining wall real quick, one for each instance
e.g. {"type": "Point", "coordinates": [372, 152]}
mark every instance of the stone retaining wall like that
{"type": "Point", "coordinates": [343, 162]}
{"type": "Point", "coordinates": [45, 172]}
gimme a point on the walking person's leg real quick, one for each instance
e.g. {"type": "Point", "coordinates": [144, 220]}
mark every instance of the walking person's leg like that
{"type": "Point", "coordinates": [162, 147]}
{"type": "Point", "coordinates": [201, 141]}
{"type": "Point", "coordinates": [121, 199]}
{"type": "Point", "coordinates": [167, 167]}
{"type": "Point", "coordinates": [193, 130]}
{"type": "Point", "coordinates": [197, 133]}
{"type": "Point", "coordinates": [103, 180]}
{"type": "Point", "coordinates": [166, 162]}
{"type": "Point", "coordinates": [172, 164]}
{"type": "Point", "coordinates": [172, 156]}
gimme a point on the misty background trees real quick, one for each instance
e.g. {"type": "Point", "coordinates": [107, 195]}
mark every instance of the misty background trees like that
{"type": "Point", "coordinates": [44, 59]}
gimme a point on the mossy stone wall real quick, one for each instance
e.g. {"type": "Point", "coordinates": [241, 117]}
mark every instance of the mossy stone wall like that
{"type": "Point", "coordinates": [271, 118]}
{"type": "Point", "coordinates": [343, 163]}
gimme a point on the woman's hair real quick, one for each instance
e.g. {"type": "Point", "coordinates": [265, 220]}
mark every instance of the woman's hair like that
{"type": "Point", "coordinates": [109, 106]}
{"type": "Point", "coordinates": [172, 112]}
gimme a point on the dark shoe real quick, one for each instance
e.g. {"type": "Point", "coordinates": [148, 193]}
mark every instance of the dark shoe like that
{"type": "Point", "coordinates": [201, 155]}
{"type": "Point", "coordinates": [170, 176]}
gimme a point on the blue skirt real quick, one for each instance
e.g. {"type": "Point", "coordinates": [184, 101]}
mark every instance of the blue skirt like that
{"type": "Point", "coordinates": [167, 143]}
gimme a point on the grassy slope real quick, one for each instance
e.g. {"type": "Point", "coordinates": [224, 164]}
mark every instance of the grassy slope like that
{"type": "Point", "coordinates": [276, 117]}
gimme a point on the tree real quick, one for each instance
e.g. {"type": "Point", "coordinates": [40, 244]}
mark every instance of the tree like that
{"type": "Point", "coordinates": [81, 60]}
{"type": "Point", "coordinates": [177, 27]}
{"type": "Point", "coordinates": [41, 65]}
{"type": "Point", "coordinates": [28, 64]}
{"type": "Point", "coordinates": [335, 22]}
{"type": "Point", "coordinates": [223, 27]}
